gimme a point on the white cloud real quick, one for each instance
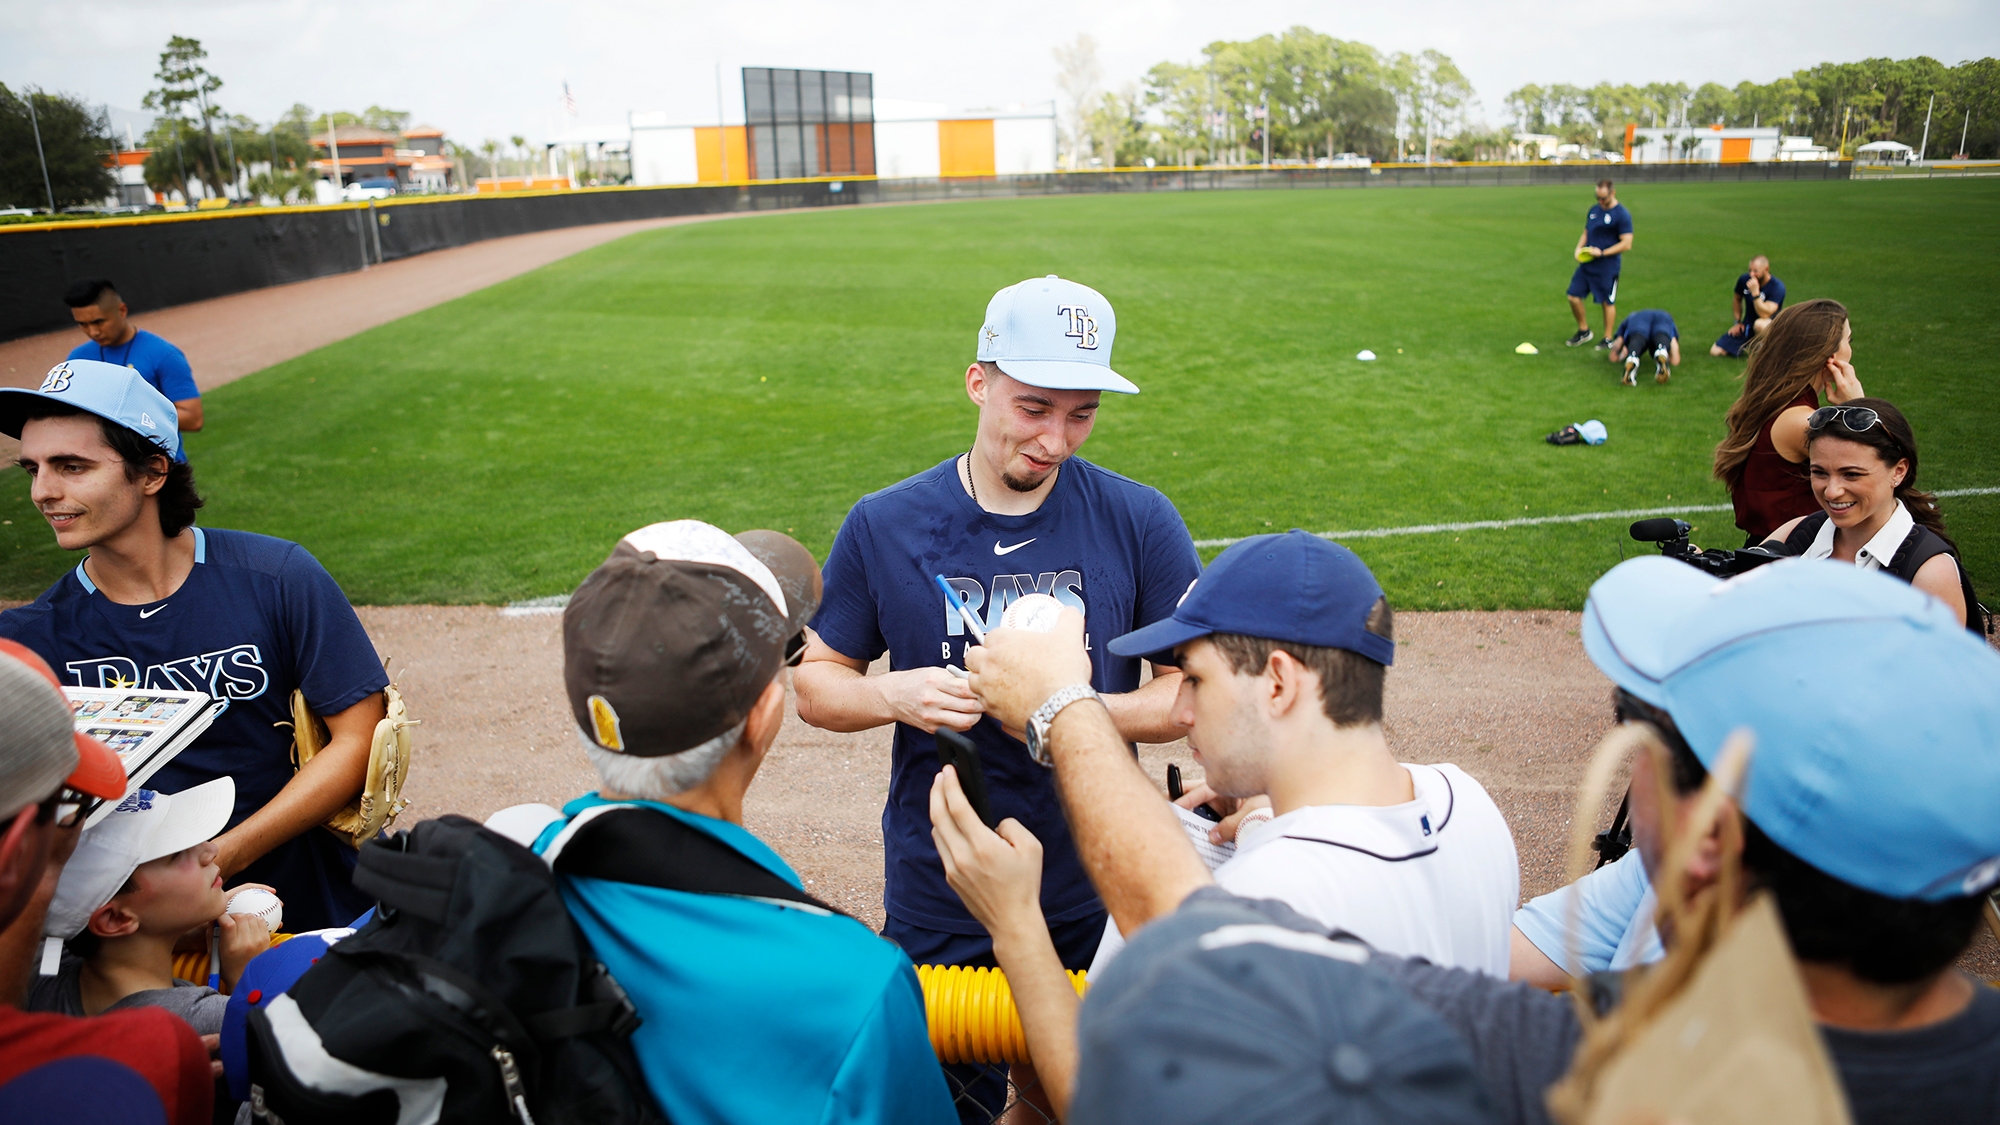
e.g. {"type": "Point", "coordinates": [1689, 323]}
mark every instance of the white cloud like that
{"type": "Point", "coordinates": [482, 68]}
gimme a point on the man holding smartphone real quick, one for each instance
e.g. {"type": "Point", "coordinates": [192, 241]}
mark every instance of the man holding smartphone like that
{"type": "Point", "coordinates": [1018, 514]}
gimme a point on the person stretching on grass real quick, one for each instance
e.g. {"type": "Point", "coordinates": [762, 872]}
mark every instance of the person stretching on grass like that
{"type": "Point", "coordinates": [1648, 330]}
{"type": "Point", "coordinates": [1600, 252]}
{"type": "Point", "coordinates": [162, 604]}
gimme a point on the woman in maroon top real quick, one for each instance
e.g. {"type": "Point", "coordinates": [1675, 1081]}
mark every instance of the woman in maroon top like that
{"type": "Point", "coordinates": [1804, 353]}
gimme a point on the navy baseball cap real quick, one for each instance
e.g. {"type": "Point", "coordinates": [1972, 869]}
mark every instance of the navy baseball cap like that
{"type": "Point", "coordinates": [1240, 1011]}
{"type": "Point", "coordinates": [119, 394]}
{"type": "Point", "coordinates": [1293, 587]}
{"type": "Point", "coordinates": [1876, 714]}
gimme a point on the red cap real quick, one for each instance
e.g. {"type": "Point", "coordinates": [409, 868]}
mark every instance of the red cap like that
{"type": "Point", "coordinates": [99, 772]}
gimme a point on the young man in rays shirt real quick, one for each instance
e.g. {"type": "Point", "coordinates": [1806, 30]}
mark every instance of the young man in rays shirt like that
{"type": "Point", "coordinates": [1017, 514]}
{"type": "Point", "coordinates": [161, 603]}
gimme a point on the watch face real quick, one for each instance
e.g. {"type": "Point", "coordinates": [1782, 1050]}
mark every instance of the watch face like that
{"type": "Point", "coordinates": [1036, 732]}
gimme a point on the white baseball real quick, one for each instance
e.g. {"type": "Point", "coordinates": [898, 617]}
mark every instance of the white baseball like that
{"type": "Point", "coordinates": [1035, 613]}
{"type": "Point", "coordinates": [264, 904]}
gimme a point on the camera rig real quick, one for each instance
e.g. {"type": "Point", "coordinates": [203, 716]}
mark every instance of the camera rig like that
{"type": "Point", "coordinates": [1672, 536]}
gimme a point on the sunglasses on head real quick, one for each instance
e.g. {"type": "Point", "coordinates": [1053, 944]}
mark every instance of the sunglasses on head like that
{"type": "Point", "coordinates": [1853, 419]}
{"type": "Point", "coordinates": [795, 649]}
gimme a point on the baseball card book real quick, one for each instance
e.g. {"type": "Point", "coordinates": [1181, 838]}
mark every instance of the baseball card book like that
{"type": "Point", "coordinates": [145, 727]}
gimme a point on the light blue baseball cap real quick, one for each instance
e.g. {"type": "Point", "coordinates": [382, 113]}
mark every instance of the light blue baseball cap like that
{"type": "Point", "coordinates": [1053, 334]}
{"type": "Point", "coordinates": [1876, 714]}
{"type": "Point", "coordinates": [107, 390]}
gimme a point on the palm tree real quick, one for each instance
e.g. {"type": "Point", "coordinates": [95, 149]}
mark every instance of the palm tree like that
{"type": "Point", "coordinates": [1668, 139]}
{"type": "Point", "coordinates": [521, 153]}
{"type": "Point", "coordinates": [491, 148]}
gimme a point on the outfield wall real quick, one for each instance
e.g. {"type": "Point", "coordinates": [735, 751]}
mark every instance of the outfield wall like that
{"type": "Point", "coordinates": [163, 260]}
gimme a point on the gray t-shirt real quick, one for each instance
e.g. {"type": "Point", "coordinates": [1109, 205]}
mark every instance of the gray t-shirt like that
{"type": "Point", "coordinates": [198, 1004]}
{"type": "Point", "coordinates": [1523, 1038]}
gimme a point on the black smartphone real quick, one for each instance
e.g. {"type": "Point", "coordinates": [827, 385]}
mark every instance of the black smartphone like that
{"type": "Point", "coordinates": [957, 751]}
{"type": "Point", "coordinates": [1175, 789]}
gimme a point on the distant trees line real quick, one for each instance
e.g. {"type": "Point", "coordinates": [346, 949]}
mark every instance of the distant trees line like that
{"type": "Point", "coordinates": [1317, 95]}
{"type": "Point", "coordinates": [1875, 99]}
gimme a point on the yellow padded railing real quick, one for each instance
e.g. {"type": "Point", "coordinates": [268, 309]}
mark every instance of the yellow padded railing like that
{"type": "Point", "coordinates": [972, 1015]}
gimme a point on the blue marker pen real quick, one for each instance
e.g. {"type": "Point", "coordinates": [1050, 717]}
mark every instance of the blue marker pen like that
{"type": "Point", "coordinates": [971, 621]}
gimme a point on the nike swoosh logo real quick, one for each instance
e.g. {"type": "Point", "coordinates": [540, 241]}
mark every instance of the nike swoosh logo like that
{"type": "Point", "coordinates": [145, 613]}
{"type": "Point", "coordinates": [999, 550]}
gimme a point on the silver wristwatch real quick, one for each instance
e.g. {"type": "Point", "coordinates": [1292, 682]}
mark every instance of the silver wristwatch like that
{"type": "Point", "coordinates": [1038, 723]}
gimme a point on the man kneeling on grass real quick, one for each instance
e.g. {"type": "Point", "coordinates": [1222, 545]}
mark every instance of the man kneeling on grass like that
{"type": "Point", "coordinates": [760, 1002]}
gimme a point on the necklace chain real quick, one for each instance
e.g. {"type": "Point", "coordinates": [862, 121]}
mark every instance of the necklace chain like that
{"type": "Point", "coordinates": [971, 485]}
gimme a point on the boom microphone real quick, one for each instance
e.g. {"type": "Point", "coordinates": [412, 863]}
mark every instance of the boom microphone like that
{"type": "Point", "coordinates": [1660, 530]}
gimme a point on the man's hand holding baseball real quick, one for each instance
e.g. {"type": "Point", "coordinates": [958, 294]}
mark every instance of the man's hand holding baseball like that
{"type": "Point", "coordinates": [1016, 671]}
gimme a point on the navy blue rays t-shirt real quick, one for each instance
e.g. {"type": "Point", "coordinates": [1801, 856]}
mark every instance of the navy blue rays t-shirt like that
{"type": "Point", "coordinates": [256, 619]}
{"type": "Point", "coordinates": [1101, 543]}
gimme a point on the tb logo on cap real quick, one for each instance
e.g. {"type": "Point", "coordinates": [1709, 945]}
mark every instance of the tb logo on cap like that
{"type": "Point", "coordinates": [1082, 326]}
{"type": "Point", "coordinates": [57, 379]}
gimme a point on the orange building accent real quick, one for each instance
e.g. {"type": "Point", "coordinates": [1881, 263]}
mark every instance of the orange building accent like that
{"type": "Point", "coordinates": [1631, 133]}
{"type": "Point", "coordinates": [1736, 150]}
{"type": "Point", "coordinates": [709, 145]}
{"type": "Point", "coordinates": [965, 148]}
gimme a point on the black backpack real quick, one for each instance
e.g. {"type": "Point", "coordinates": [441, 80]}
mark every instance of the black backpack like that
{"type": "Point", "coordinates": [471, 997]}
{"type": "Point", "coordinates": [1920, 546]}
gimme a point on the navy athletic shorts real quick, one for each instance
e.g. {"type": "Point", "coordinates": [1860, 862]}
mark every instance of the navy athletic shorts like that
{"type": "Point", "coordinates": [1734, 345]}
{"type": "Point", "coordinates": [1593, 281]}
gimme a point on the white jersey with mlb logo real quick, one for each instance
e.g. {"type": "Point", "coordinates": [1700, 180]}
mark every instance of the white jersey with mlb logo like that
{"type": "Point", "coordinates": [1434, 877]}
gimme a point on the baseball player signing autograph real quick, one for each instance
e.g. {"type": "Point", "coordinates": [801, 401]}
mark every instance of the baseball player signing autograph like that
{"type": "Point", "coordinates": [160, 603]}
{"type": "Point", "coordinates": [1018, 514]}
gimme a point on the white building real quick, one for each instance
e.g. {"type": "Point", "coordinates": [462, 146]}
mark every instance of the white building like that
{"type": "Point", "coordinates": [1705, 144]}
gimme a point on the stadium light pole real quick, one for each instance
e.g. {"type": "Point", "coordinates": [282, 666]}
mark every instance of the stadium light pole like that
{"type": "Point", "coordinates": [1924, 149]}
{"type": "Point", "coordinates": [35, 123]}
{"type": "Point", "coordinates": [1963, 131]}
{"type": "Point", "coordinates": [721, 125]}
{"type": "Point", "coordinates": [333, 146]}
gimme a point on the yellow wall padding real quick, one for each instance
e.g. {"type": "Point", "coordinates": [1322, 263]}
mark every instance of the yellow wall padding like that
{"type": "Point", "coordinates": [972, 1015]}
{"type": "Point", "coordinates": [193, 965]}
{"type": "Point", "coordinates": [965, 148]}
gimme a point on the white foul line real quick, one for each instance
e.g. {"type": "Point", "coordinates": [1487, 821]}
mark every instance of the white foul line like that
{"type": "Point", "coordinates": [1538, 521]}
{"type": "Point", "coordinates": [554, 603]}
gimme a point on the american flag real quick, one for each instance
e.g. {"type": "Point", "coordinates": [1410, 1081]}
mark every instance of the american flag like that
{"type": "Point", "coordinates": [569, 100]}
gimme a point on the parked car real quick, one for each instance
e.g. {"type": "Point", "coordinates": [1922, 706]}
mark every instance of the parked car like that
{"type": "Point", "coordinates": [361, 191]}
{"type": "Point", "coordinates": [1343, 160]}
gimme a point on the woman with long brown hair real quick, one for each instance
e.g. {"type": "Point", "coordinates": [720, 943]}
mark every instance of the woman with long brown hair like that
{"type": "Point", "coordinates": [1806, 352]}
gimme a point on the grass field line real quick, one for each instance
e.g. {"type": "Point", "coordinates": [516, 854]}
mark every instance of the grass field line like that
{"type": "Point", "coordinates": [1539, 521]}
{"type": "Point", "coordinates": [554, 603]}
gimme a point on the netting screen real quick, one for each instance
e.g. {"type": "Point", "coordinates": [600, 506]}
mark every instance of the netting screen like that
{"type": "Point", "coordinates": [809, 123]}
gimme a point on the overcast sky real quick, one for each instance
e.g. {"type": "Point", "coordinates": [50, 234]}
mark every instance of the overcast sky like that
{"type": "Point", "coordinates": [490, 68]}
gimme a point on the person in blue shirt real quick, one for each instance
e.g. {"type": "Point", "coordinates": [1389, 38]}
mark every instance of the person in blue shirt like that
{"type": "Point", "coordinates": [102, 315]}
{"type": "Point", "coordinates": [1018, 514]}
{"type": "Point", "coordinates": [161, 603]}
{"type": "Point", "coordinates": [1756, 299]}
{"type": "Point", "coordinates": [759, 1003]}
{"type": "Point", "coordinates": [1607, 235]}
{"type": "Point", "coordinates": [1648, 330]}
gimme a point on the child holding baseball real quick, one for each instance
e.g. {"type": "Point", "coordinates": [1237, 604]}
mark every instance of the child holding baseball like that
{"type": "Point", "coordinates": [141, 880]}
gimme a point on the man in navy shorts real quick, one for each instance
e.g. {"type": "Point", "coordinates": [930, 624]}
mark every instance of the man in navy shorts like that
{"type": "Point", "coordinates": [101, 313]}
{"type": "Point", "coordinates": [1607, 234]}
{"type": "Point", "coordinates": [1648, 330]}
{"type": "Point", "coordinates": [1756, 299]}
{"type": "Point", "coordinates": [161, 603]}
{"type": "Point", "coordinates": [1018, 514]}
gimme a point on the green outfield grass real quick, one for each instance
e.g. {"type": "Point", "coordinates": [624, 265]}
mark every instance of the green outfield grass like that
{"type": "Point", "coordinates": [768, 371]}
